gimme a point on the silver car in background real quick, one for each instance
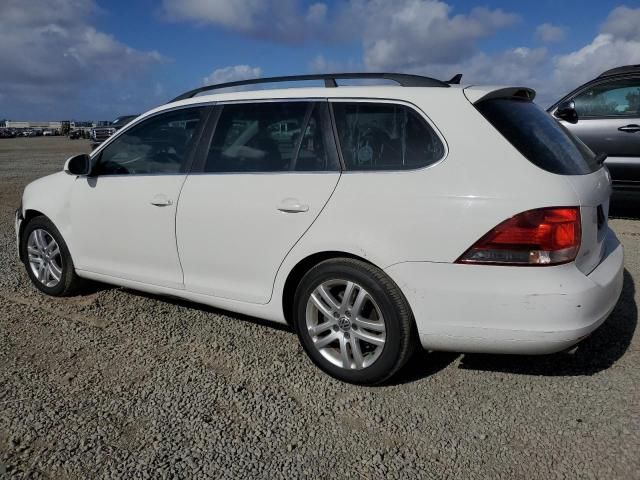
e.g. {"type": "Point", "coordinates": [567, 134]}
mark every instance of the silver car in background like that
{"type": "Point", "coordinates": [605, 114]}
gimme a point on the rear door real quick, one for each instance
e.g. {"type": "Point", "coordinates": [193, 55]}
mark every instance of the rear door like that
{"type": "Point", "coordinates": [254, 195]}
{"type": "Point", "coordinates": [609, 122]}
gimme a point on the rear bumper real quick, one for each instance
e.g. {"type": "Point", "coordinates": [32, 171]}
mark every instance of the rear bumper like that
{"type": "Point", "coordinates": [518, 310]}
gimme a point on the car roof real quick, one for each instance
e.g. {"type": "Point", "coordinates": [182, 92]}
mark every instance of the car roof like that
{"type": "Point", "coordinates": [377, 92]}
{"type": "Point", "coordinates": [473, 93]}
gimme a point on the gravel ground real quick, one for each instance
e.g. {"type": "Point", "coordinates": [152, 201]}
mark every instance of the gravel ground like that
{"type": "Point", "coordinates": [118, 384]}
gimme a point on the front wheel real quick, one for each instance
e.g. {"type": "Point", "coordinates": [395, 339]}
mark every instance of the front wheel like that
{"type": "Point", "coordinates": [47, 259]}
{"type": "Point", "coordinates": [353, 321]}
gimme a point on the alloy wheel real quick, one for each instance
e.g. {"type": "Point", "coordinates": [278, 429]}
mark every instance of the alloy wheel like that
{"type": "Point", "coordinates": [45, 258]}
{"type": "Point", "coordinates": [345, 324]}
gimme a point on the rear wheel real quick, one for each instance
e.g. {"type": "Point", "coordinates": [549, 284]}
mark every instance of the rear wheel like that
{"type": "Point", "coordinates": [47, 259]}
{"type": "Point", "coordinates": [353, 321]}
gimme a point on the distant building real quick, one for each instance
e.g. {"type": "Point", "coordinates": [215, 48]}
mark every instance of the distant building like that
{"type": "Point", "coordinates": [38, 125]}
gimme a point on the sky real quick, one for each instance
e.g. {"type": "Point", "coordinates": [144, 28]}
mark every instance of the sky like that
{"type": "Point", "coordinates": [97, 59]}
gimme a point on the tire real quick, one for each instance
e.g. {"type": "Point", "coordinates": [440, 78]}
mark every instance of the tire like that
{"type": "Point", "coordinates": [380, 327]}
{"type": "Point", "coordinates": [58, 260]}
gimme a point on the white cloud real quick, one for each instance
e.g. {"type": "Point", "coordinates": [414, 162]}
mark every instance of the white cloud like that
{"type": "Point", "coordinates": [426, 37]}
{"type": "Point", "coordinates": [406, 34]}
{"type": "Point", "coordinates": [281, 20]}
{"type": "Point", "coordinates": [618, 43]}
{"type": "Point", "coordinates": [321, 64]}
{"type": "Point", "coordinates": [549, 33]}
{"type": "Point", "coordinates": [386, 28]}
{"type": "Point", "coordinates": [232, 73]}
{"type": "Point", "coordinates": [623, 23]}
{"type": "Point", "coordinates": [516, 66]}
{"type": "Point", "coordinates": [51, 55]}
{"type": "Point", "coordinates": [238, 14]}
{"type": "Point", "coordinates": [317, 13]}
{"type": "Point", "coordinates": [448, 44]}
{"type": "Point", "coordinates": [604, 52]}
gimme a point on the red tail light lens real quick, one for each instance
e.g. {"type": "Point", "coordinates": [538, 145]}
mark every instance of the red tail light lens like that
{"type": "Point", "coordinates": [545, 236]}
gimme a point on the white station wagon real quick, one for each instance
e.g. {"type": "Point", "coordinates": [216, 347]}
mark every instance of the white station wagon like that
{"type": "Point", "coordinates": [372, 219]}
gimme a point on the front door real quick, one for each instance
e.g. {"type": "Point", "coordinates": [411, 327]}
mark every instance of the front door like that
{"type": "Point", "coordinates": [123, 215]}
{"type": "Point", "coordinates": [257, 192]}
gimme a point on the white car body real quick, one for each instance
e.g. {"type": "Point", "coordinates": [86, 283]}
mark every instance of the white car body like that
{"type": "Point", "coordinates": [221, 240]}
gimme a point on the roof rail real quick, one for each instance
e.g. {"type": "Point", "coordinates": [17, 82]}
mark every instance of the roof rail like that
{"type": "Point", "coordinates": [403, 79]}
{"type": "Point", "coordinates": [621, 70]}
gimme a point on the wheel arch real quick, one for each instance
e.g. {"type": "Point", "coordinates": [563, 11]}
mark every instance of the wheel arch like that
{"type": "Point", "coordinates": [301, 268]}
{"type": "Point", "coordinates": [29, 214]}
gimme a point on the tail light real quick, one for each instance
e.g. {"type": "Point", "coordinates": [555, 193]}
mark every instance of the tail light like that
{"type": "Point", "coordinates": [544, 236]}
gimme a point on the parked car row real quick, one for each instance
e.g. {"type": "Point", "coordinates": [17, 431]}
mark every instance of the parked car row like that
{"type": "Point", "coordinates": [27, 132]}
{"type": "Point", "coordinates": [72, 134]}
{"type": "Point", "coordinates": [8, 133]}
{"type": "Point", "coordinates": [100, 134]}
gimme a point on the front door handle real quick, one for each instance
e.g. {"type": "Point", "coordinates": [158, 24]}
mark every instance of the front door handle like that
{"type": "Point", "coordinates": [160, 201]}
{"type": "Point", "coordinates": [292, 205]}
{"type": "Point", "coordinates": [630, 128]}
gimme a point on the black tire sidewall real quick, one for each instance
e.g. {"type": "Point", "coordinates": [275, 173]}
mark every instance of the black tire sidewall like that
{"type": "Point", "coordinates": [68, 274]}
{"type": "Point", "coordinates": [392, 349]}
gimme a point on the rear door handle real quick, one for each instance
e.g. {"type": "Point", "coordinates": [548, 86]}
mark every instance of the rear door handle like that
{"type": "Point", "coordinates": [630, 128]}
{"type": "Point", "coordinates": [292, 205]}
{"type": "Point", "coordinates": [161, 200]}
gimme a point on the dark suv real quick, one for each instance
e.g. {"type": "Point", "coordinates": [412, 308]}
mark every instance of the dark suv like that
{"type": "Point", "coordinates": [605, 114]}
{"type": "Point", "coordinates": [100, 134]}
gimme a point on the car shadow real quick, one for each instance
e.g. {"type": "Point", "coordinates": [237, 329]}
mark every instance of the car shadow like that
{"type": "Point", "coordinates": [421, 365]}
{"type": "Point", "coordinates": [596, 353]}
{"type": "Point", "coordinates": [208, 309]}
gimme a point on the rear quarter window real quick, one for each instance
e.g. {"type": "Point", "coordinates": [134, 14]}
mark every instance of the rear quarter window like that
{"type": "Point", "coordinates": [538, 137]}
{"type": "Point", "coordinates": [383, 136]}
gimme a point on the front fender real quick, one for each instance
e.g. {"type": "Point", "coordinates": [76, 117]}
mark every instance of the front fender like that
{"type": "Point", "coordinates": [50, 196]}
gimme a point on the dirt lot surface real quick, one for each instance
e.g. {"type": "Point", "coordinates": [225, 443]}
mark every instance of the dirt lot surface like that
{"type": "Point", "coordinates": [118, 384]}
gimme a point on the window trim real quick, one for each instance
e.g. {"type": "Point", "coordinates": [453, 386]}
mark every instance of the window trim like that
{"type": "Point", "coordinates": [209, 124]}
{"type": "Point", "coordinates": [425, 118]}
{"type": "Point", "coordinates": [597, 83]}
{"type": "Point", "coordinates": [207, 108]}
{"type": "Point", "coordinates": [199, 163]}
{"type": "Point", "coordinates": [303, 129]}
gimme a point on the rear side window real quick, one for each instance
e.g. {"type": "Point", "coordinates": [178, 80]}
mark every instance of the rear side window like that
{"type": "Point", "coordinates": [272, 137]}
{"type": "Point", "coordinates": [537, 136]}
{"type": "Point", "coordinates": [382, 136]}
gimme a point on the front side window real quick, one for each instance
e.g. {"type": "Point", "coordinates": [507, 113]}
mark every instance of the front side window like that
{"type": "Point", "coordinates": [272, 137]}
{"type": "Point", "coordinates": [382, 136]}
{"type": "Point", "coordinates": [158, 145]}
{"type": "Point", "coordinates": [615, 99]}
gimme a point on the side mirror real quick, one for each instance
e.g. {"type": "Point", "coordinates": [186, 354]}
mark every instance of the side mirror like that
{"type": "Point", "coordinates": [78, 165]}
{"type": "Point", "coordinates": [567, 111]}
